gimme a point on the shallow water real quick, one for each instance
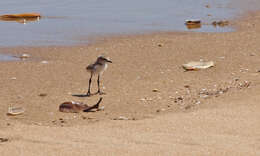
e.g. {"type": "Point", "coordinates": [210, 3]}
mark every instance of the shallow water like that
{"type": "Point", "coordinates": [5, 57]}
{"type": "Point", "coordinates": [67, 22]}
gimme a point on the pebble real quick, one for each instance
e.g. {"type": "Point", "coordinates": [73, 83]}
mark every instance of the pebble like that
{"type": "Point", "coordinates": [101, 108]}
{"type": "Point", "coordinates": [44, 62]}
{"type": "Point", "coordinates": [13, 78]}
{"type": "Point", "coordinates": [43, 94]}
{"type": "Point", "coordinates": [24, 56]}
{"type": "Point", "coordinates": [160, 110]}
{"type": "Point", "coordinates": [160, 45]}
{"type": "Point", "coordinates": [186, 86]}
{"type": "Point", "coordinates": [155, 90]}
{"type": "Point", "coordinates": [4, 139]}
{"type": "Point", "coordinates": [121, 118]}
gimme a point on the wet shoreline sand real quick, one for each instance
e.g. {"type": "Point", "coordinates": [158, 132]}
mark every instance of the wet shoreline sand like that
{"type": "Point", "coordinates": [175, 119]}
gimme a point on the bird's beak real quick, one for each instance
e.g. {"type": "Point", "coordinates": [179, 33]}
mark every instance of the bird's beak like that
{"type": "Point", "coordinates": [109, 61]}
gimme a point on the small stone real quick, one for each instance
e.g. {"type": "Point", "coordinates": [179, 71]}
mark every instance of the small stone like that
{"type": "Point", "coordinates": [155, 90]}
{"type": "Point", "coordinates": [207, 6]}
{"type": "Point", "coordinates": [24, 56]}
{"type": "Point", "coordinates": [171, 97]}
{"type": "Point", "coordinates": [160, 45]}
{"type": "Point", "coordinates": [13, 78]}
{"type": "Point", "coordinates": [44, 62]}
{"type": "Point", "coordinates": [186, 86]}
{"type": "Point", "coordinates": [160, 110]}
{"type": "Point", "coordinates": [101, 108]}
{"type": "Point", "coordinates": [43, 94]}
{"type": "Point", "coordinates": [180, 98]}
{"type": "Point", "coordinates": [187, 107]}
{"type": "Point", "coordinates": [198, 102]}
{"type": "Point", "coordinates": [4, 139]}
{"type": "Point", "coordinates": [204, 96]}
{"type": "Point", "coordinates": [236, 79]}
{"type": "Point", "coordinates": [121, 118]}
{"type": "Point", "coordinates": [221, 57]}
{"type": "Point", "coordinates": [142, 99]}
{"type": "Point", "coordinates": [83, 117]}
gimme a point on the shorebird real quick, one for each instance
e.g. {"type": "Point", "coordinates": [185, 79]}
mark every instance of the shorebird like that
{"type": "Point", "coordinates": [97, 68]}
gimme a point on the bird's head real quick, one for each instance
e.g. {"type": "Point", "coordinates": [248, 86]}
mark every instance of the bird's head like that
{"type": "Point", "coordinates": [103, 59]}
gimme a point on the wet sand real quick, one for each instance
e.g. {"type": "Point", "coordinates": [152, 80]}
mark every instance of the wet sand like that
{"type": "Point", "coordinates": [170, 111]}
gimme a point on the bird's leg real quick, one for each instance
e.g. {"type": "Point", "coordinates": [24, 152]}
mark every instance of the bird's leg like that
{"type": "Point", "coordinates": [98, 82]}
{"type": "Point", "coordinates": [89, 84]}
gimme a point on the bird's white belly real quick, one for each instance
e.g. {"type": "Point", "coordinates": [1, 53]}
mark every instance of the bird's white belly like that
{"type": "Point", "coordinates": [100, 69]}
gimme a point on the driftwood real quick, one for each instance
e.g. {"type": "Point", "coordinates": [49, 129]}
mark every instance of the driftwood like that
{"type": "Point", "coordinates": [76, 107]}
{"type": "Point", "coordinates": [21, 18]}
{"type": "Point", "coordinates": [24, 16]}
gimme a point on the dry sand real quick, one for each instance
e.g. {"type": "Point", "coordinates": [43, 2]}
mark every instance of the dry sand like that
{"type": "Point", "coordinates": [216, 114]}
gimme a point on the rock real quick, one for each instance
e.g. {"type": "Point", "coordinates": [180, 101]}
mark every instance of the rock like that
{"type": "Point", "coordinates": [193, 24]}
{"type": "Point", "coordinates": [43, 94]}
{"type": "Point", "coordinates": [22, 16]}
{"type": "Point", "coordinates": [121, 118]}
{"type": "Point", "coordinates": [186, 86]}
{"type": "Point", "coordinates": [220, 23]}
{"type": "Point", "coordinates": [12, 111]}
{"type": "Point", "coordinates": [160, 110]}
{"type": "Point", "coordinates": [13, 78]}
{"type": "Point", "coordinates": [198, 65]}
{"type": "Point", "coordinates": [155, 90]}
{"type": "Point", "coordinates": [24, 56]}
{"type": "Point", "coordinates": [102, 108]}
{"type": "Point", "coordinates": [4, 139]}
{"type": "Point", "coordinates": [44, 62]}
{"type": "Point", "coordinates": [160, 45]}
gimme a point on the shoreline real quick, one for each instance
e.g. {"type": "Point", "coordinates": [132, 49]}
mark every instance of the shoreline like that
{"type": "Point", "coordinates": [99, 45]}
{"type": "Point", "coordinates": [141, 64]}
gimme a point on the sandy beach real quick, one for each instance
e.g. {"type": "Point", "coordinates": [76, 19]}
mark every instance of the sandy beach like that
{"type": "Point", "coordinates": [169, 111]}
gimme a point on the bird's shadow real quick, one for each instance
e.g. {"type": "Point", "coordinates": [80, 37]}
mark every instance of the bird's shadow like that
{"type": "Point", "coordinates": [84, 95]}
{"type": "Point", "coordinates": [81, 95]}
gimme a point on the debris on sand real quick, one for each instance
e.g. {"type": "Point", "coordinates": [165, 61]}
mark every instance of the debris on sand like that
{"type": "Point", "coordinates": [43, 94]}
{"type": "Point", "coordinates": [4, 139]}
{"type": "Point", "coordinates": [160, 110]}
{"type": "Point", "coordinates": [220, 23]}
{"type": "Point", "coordinates": [21, 18]}
{"type": "Point", "coordinates": [160, 45]}
{"type": "Point", "coordinates": [121, 118]}
{"type": "Point", "coordinates": [12, 111]}
{"type": "Point", "coordinates": [198, 65]}
{"type": "Point", "coordinates": [155, 90]}
{"type": "Point", "coordinates": [24, 15]}
{"type": "Point", "coordinates": [76, 107]}
{"type": "Point", "coordinates": [193, 24]}
{"type": "Point", "coordinates": [23, 56]}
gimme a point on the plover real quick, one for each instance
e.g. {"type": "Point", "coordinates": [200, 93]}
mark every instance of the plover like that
{"type": "Point", "coordinates": [97, 68]}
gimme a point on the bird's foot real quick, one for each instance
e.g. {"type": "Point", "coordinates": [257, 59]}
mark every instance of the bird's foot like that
{"type": "Point", "coordinates": [100, 93]}
{"type": "Point", "coordinates": [88, 94]}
